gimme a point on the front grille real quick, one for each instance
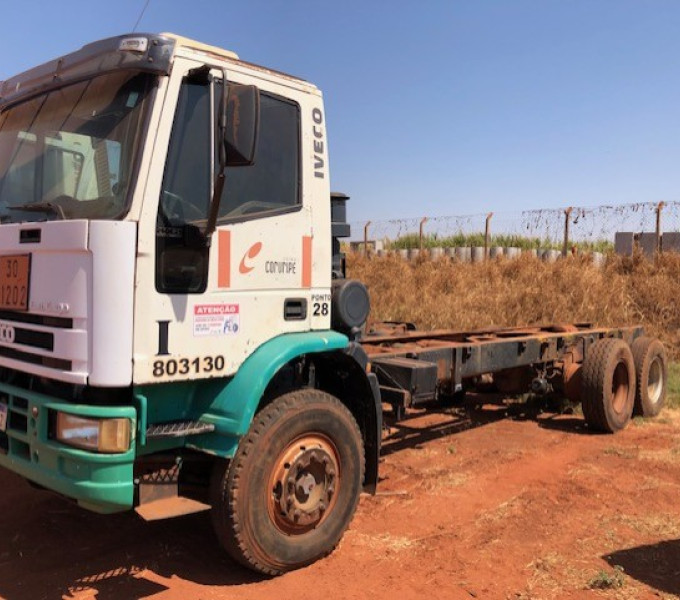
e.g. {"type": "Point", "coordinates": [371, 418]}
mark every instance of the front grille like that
{"type": "Point", "coordinates": [36, 359]}
{"type": "Point", "coordinates": [57, 322]}
{"type": "Point", "coordinates": [36, 339]}
{"type": "Point", "coordinates": [31, 338]}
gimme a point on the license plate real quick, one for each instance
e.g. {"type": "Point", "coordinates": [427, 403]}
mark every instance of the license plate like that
{"type": "Point", "coordinates": [3, 417]}
{"type": "Point", "coordinates": [14, 278]}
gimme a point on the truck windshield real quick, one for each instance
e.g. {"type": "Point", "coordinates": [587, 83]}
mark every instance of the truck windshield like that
{"type": "Point", "coordinates": [69, 153]}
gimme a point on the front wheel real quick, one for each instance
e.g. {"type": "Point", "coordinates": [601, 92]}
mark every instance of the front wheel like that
{"type": "Point", "coordinates": [290, 492]}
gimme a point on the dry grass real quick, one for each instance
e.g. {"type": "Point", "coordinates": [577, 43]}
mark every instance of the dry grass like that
{"type": "Point", "coordinates": [385, 542]}
{"type": "Point", "coordinates": [653, 525]}
{"type": "Point", "coordinates": [446, 294]}
{"type": "Point", "coordinates": [671, 456]}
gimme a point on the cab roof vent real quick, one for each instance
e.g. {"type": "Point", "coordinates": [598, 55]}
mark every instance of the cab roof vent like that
{"type": "Point", "coordinates": [200, 47]}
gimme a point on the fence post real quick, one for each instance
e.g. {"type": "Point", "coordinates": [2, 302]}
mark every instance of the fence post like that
{"type": "Point", "coordinates": [659, 208]}
{"type": "Point", "coordinates": [422, 224]}
{"type": "Point", "coordinates": [366, 238]}
{"type": "Point", "coordinates": [487, 235]}
{"type": "Point", "coordinates": [565, 246]}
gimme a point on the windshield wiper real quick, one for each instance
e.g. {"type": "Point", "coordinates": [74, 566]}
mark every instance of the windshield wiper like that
{"type": "Point", "coordinates": [43, 207]}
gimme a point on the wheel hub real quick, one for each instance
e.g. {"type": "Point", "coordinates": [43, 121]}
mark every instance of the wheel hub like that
{"type": "Point", "coordinates": [304, 484]}
{"type": "Point", "coordinates": [655, 380]}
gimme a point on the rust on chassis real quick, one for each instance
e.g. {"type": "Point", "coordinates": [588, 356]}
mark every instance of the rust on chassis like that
{"type": "Point", "coordinates": [414, 367]}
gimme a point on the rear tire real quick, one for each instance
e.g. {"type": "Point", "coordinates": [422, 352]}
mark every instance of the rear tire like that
{"type": "Point", "coordinates": [649, 357]}
{"type": "Point", "coordinates": [290, 492]}
{"type": "Point", "coordinates": [608, 385]}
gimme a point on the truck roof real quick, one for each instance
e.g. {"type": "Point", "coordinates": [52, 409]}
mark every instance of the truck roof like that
{"type": "Point", "coordinates": [193, 45]}
{"type": "Point", "coordinates": [147, 52]}
{"type": "Point", "coordinates": [186, 42]}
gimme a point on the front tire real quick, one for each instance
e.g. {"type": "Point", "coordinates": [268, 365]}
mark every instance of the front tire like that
{"type": "Point", "coordinates": [290, 492]}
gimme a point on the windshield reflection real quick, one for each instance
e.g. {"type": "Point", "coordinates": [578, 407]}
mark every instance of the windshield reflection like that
{"type": "Point", "coordinates": [69, 153]}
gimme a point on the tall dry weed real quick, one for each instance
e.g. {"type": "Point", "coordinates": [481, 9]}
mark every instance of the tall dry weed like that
{"type": "Point", "coordinates": [507, 293]}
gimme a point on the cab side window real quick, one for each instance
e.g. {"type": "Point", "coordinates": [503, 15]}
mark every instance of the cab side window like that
{"type": "Point", "coordinates": [181, 252]}
{"type": "Point", "coordinates": [272, 184]}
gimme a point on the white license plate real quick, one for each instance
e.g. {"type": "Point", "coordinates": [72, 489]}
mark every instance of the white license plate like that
{"type": "Point", "coordinates": [3, 416]}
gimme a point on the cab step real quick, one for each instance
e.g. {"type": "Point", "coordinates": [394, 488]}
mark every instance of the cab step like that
{"type": "Point", "coordinates": [178, 429]}
{"type": "Point", "coordinates": [167, 508]}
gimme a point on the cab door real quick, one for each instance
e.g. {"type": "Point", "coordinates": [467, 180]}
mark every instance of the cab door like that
{"type": "Point", "coordinates": [214, 300]}
{"type": "Point", "coordinates": [262, 267]}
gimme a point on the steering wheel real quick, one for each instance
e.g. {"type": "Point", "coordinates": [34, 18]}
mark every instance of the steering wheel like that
{"type": "Point", "coordinates": [177, 211]}
{"type": "Point", "coordinates": [253, 206]}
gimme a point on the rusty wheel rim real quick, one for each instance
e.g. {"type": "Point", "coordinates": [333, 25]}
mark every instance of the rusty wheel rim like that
{"type": "Point", "coordinates": [304, 484]}
{"type": "Point", "coordinates": [655, 380]}
{"type": "Point", "coordinates": [620, 388]}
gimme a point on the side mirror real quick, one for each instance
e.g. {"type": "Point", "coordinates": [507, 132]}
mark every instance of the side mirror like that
{"type": "Point", "coordinates": [243, 119]}
{"type": "Point", "coordinates": [239, 120]}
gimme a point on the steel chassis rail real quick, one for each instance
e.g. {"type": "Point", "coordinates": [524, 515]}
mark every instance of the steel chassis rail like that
{"type": "Point", "coordinates": [414, 366]}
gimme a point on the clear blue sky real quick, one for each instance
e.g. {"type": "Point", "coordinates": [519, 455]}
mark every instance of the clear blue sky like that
{"type": "Point", "coordinates": [440, 107]}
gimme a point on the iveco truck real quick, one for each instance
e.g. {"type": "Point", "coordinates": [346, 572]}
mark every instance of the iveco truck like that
{"type": "Point", "coordinates": [176, 329]}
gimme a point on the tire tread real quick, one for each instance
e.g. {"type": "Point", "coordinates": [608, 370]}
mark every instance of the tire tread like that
{"type": "Point", "coordinates": [230, 530]}
{"type": "Point", "coordinates": [643, 349]}
{"type": "Point", "coordinates": [595, 369]}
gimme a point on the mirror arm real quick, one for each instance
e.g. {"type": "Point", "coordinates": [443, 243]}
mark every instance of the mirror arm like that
{"type": "Point", "coordinates": [218, 186]}
{"type": "Point", "coordinates": [214, 206]}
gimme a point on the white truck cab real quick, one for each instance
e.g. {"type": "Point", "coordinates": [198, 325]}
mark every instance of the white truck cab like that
{"type": "Point", "coordinates": [166, 265]}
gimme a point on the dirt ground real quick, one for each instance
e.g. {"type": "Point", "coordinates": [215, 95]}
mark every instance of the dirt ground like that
{"type": "Point", "coordinates": [493, 502]}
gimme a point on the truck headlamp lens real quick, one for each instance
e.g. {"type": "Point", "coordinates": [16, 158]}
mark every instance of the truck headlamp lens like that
{"type": "Point", "coordinates": [98, 435]}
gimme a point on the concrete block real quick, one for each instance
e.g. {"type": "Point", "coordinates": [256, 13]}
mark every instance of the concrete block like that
{"type": "Point", "coordinates": [464, 254]}
{"type": "Point", "coordinates": [373, 245]}
{"type": "Point", "coordinates": [647, 243]}
{"type": "Point", "coordinates": [598, 259]}
{"type": "Point", "coordinates": [496, 252]}
{"type": "Point", "coordinates": [477, 254]}
{"type": "Point", "coordinates": [403, 253]}
{"type": "Point", "coordinates": [670, 242]}
{"type": "Point", "coordinates": [512, 252]}
{"type": "Point", "coordinates": [436, 253]}
{"type": "Point", "coordinates": [623, 242]}
{"type": "Point", "coordinates": [551, 256]}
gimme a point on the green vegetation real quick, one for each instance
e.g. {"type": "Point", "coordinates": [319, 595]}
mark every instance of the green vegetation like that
{"type": "Point", "coordinates": [605, 580]}
{"type": "Point", "coordinates": [673, 397]}
{"type": "Point", "coordinates": [412, 240]}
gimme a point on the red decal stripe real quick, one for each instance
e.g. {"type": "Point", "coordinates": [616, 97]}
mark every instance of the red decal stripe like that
{"type": "Point", "coordinates": [306, 261]}
{"type": "Point", "coordinates": [224, 259]}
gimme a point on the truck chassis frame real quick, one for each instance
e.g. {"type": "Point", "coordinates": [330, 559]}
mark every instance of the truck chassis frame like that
{"type": "Point", "coordinates": [416, 367]}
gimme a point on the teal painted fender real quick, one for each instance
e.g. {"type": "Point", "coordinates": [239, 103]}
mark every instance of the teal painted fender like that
{"type": "Point", "coordinates": [230, 404]}
{"type": "Point", "coordinates": [239, 399]}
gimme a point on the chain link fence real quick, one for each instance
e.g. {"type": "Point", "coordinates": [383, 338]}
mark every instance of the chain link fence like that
{"type": "Point", "coordinates": [592, 228]}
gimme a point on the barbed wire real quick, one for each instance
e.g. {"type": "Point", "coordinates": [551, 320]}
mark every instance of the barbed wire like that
{"type": "Point", "coordinates": [597, 224]}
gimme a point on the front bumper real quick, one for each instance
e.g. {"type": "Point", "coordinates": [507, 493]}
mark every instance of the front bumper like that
{"type": "Point", "coordinates": [100, 482]}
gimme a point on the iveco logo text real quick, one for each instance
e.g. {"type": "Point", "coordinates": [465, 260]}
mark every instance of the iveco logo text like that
{"type": "Point", "coordinates": [6, 334]}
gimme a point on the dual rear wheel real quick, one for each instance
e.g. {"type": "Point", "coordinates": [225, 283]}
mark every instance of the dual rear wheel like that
{"type": "Point", "coordinates": [619, 381]}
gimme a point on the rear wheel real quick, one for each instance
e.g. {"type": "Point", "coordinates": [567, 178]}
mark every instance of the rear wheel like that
{"type": "Point", "coordinates": [649, 357]}
{"type": "Point", "coordinates": [291, 490]}
{"type": "Point", "coordinates": [608, 385]}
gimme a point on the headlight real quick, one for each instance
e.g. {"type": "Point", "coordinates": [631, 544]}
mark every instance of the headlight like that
{"type": "Point", "coordinates": [99, 435]}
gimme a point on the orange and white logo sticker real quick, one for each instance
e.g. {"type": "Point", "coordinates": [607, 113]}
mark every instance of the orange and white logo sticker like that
{"type": "Point", "coordinates": [245, 268]}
